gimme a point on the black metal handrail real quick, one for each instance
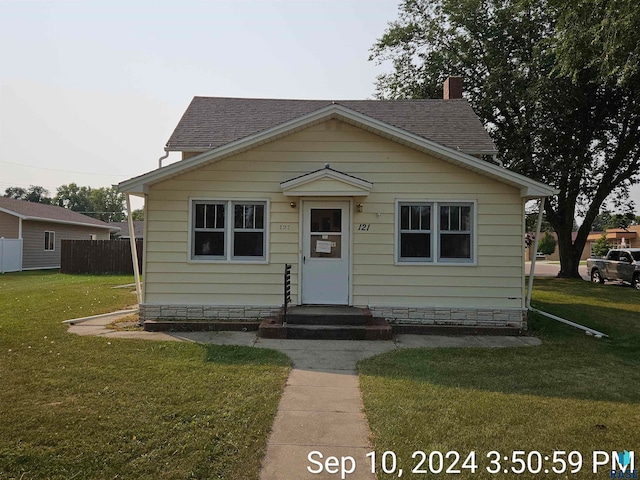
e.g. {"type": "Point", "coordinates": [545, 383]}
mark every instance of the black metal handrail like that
{"type": "Point", "coordinates": [287, 290]}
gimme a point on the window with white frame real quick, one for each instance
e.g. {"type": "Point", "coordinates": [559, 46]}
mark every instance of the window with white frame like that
{"type": "Point", "coordinates": [455, 230]}
{"type": "Point", "coordinates": [228, 230]}
{"type": "Point", "coordinates": [435, 232]}
{"type": "Point", "coordinates": [248, 230]}
{"type": "Point", "coordinates": [49, 241]}
{"type": "Point", "coordinates": [415, 232]}
{"type": "Point", "coordinates": [209, 239]}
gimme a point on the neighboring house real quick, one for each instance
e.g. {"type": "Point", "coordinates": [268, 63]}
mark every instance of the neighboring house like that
{"type": "Point", "coordinates": [43, 227]}
{"type": "Point", "coordinates": [617, 237]}
{"type": "Point", "coordinates": [123, 234]}
{"type": "Point", "coordinates": [378, 204]}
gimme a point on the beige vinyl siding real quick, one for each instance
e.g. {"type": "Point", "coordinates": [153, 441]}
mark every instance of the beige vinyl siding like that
{"type": "Point", "coordinates": [9, 225]}
{"type": "Point", "coordinates": [35, 256]}
{"type": "Point", "coordinates": [397, 173]}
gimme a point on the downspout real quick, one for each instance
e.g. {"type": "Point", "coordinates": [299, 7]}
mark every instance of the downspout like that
{"type": "Point", "coordinates": [134, 250]}
{"type": "Point", "coordinates": [589, 331]}
{"type": "Point", "coordinates": [166, 154]}
{"type": "Point", "coordinates": [535, 250]}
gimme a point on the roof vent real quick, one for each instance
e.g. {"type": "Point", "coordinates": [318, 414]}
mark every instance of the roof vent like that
{"type": "Point", "coordinates": [452, 88]}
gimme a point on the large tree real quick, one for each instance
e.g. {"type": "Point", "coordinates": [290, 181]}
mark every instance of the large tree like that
{"type": "Point", "coordinates": [600, 34]}
{"type": "Point", "coordinates": [573, 128]}
{"type": "Point", "coordinates": [105, 204]}
{"type": "Point", "coordinates": [34, 193]}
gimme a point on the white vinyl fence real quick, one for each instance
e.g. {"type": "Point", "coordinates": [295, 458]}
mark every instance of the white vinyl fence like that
{"type": "Point", "coordinates": [10, 255]}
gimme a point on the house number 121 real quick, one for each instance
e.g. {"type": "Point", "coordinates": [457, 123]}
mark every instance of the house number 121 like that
{"type": "Point", "coordinates": [364, 227]}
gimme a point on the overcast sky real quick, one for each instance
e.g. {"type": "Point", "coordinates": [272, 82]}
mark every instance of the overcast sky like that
{"type": "Point", "coordinates": [90, 91]}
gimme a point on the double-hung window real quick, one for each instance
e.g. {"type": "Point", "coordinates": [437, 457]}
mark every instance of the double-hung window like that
{"type": "Point", "coordinates": [228, 230]}
{"type": "Point", "coordinates": [433, 232]}
{"type": "Point", "coordinates": [248, 230]}
{"type": "Point", "coordinates": [209, 230]}
{"type": "Point", "coordinates": [49, 241]}
{"type": "Point", "coordinates": [455, 232]}
{"type": "Point", "coordinates": [415, 232]}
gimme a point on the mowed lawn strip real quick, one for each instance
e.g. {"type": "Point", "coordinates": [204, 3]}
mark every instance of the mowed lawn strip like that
{"type": "Point", "coordinates": [573, 393]}
{"type": "Point", "coordinates": [91, 407]}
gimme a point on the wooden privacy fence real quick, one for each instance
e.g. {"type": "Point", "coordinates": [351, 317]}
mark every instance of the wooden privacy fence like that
{"type": "Point", "coordinates": [98, 256]}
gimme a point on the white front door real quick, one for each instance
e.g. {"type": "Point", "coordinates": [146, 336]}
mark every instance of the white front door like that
{"type": "Point", "coordinates": [325, 253]}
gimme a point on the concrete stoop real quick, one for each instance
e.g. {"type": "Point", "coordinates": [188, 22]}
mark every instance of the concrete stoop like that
{"type": "Point", "coordinates": [326, 323]}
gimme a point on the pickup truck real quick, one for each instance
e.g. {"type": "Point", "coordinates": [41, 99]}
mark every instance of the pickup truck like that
{"type": "Point", "coordinates": [621, 264]}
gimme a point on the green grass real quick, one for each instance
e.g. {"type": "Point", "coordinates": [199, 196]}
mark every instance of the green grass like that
{"type": "Point", "coordinates": [91, 407]}
{"type": "Point", "coordinates": [573, 393]}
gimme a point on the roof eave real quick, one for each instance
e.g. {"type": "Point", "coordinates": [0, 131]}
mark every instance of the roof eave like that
{"type": "Point", "coordinates": [11, 212]}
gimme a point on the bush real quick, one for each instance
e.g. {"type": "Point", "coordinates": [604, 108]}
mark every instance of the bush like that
{"type": "Point", "coordinates": [601, 247]}
{"type": "Point", "coordinates": [547, 244]}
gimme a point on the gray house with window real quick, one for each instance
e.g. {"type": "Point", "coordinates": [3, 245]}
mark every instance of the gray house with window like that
{"type": "Point", "coordinates": [33, 232]}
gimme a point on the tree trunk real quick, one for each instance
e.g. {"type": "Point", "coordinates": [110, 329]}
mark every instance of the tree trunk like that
{"type": "Point", "coordinates": [570, 255]}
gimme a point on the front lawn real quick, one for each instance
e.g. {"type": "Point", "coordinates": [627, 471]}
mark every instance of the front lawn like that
{"type": "Point", "coordinates": [573, 393]}
{"type": "Point", "coordinates": [90, 407]}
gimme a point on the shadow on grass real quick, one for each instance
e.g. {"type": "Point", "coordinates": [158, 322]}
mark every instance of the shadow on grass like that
{"type": "Point", "coordinates": [569, 364]}
{"type": "Point", "coordinates": [239, 355]}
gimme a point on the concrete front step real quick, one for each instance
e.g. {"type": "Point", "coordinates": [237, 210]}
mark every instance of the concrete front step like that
{"type": "Point", "coordinates": [328, 315]}
{"type": "Point", "coordinates": [378, 329]}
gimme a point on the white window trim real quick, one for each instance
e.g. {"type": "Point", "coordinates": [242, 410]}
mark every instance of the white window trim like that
{"type": "Point", "coordinates": [51, 233]}
{"type": "Point", "coordinates": [229, 228]}
{"type": "Point", "coordinates": [414, 260]}
{"type": "Point", "coordinates": [435, 233]}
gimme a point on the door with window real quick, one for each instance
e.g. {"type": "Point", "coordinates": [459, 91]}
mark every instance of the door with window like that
{"type": "Point", "coordinates": [325, 253]}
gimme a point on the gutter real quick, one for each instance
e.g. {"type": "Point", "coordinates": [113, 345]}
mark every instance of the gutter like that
{"type": "Point", "coordinates": [589, 331]}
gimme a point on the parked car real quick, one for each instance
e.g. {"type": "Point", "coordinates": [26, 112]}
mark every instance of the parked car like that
{"type": "Point", "coordinates": [621, 264]}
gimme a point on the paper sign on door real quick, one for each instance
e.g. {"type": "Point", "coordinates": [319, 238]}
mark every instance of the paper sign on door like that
{"type": "Point", "coordinates": [323, 246]}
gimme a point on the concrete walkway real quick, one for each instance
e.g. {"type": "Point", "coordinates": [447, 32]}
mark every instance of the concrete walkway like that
{"type": "Point", "coordinates": [321, 413]}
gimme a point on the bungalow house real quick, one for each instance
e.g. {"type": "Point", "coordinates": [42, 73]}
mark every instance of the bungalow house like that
{"type": "Point", "coordinates": [35, 232]}
{"type": "Point", "coordinates": [395, 206]}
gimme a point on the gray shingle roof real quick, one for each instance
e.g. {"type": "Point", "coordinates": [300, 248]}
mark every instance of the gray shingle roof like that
{"type": "Point", "coordinates": [211, 122]}
{"type": "Point", "coordinates": [40, 211]}
{"type": "Point", "coordinates": [138, 227]}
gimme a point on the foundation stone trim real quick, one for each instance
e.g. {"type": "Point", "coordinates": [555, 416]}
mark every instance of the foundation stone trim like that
{"type": "Point", "coordinates": [454, 316]}
{"type": "Point", "coordinates": [229, 313]}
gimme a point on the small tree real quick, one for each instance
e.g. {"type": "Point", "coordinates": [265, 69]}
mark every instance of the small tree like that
{"type": "Point", "coordinates": [547, 244]}
{"type": "Point", "coordinates": [601, 247]}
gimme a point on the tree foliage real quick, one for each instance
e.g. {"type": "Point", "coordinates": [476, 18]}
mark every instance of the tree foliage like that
{"type": "Point", "coordinates": [606, 219]}
{"type": "Point", "coordinates": [105, 204]}
{"type": "Point", "coordinates": [547, 244]}
{"type": "Point", "coordinates": [601, 246]}
{"type": "Point", "coordinates": [577, 131]}
{"type": "Point", "coordinates": [137, 214]}
{"type": "Point", "coordinates": [602, 35]}
{"type": "Point", "coordinates": [34, 194]}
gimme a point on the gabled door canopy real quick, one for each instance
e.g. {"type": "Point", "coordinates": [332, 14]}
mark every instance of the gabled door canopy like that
{"type": "Point", "coordinates": [326, 182]}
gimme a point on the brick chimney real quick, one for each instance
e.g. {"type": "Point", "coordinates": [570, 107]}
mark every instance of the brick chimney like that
{"type": "Point", "coordinates": [452, 88]}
